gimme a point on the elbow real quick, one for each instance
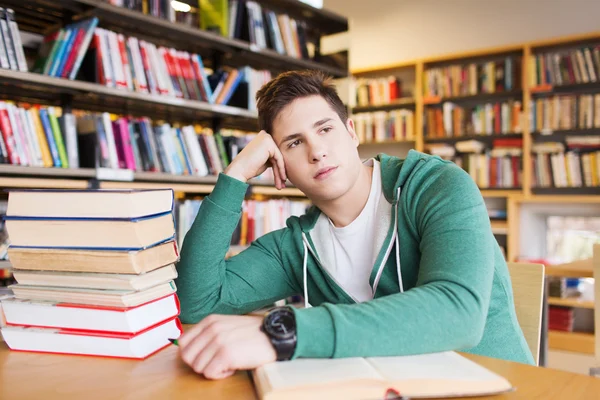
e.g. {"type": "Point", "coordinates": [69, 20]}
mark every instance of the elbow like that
{"type": "Point", "coordinates": [474, 325]}
{"type": "Point", "coordinates": [474, 332]}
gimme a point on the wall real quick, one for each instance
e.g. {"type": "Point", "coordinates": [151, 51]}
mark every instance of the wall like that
{"type": "Point", "coordinates": [393, 31]}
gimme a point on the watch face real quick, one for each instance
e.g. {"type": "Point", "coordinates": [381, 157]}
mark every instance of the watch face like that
{"type": "Point", "coordinates": [281, 324]}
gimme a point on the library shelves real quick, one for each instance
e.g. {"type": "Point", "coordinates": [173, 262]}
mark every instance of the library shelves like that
{"type": "Point", "coordinates": [41, 17]}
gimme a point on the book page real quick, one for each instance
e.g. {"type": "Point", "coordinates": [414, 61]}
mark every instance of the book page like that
{"type": "Point", "coordinates": [436, 366]}
{"type": "Point", "coordinates": [302, 372]}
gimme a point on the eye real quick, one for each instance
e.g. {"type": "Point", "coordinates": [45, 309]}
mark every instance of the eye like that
{"type": "Point", "coordinates": [294, 143]}
{"type": "Point", "coordinates": [327, 129]}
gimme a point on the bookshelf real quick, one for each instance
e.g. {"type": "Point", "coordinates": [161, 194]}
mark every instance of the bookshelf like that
{"type": "Point", "coordinates": [524, 91]}
{"type": "Point", "coordinates": [578, 342]}
{"type": "Point", "coordinates": [41, 17]}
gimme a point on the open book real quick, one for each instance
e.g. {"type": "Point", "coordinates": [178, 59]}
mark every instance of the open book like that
{"type": "Point", "coordinates": [446, 374]}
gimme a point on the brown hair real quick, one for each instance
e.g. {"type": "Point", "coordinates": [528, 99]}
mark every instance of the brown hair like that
{"type": "Point", "coordinates": [291, 85]}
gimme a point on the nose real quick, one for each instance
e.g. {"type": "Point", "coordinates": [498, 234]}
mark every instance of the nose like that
{"type": "Point", "coordinates": [318, 150]}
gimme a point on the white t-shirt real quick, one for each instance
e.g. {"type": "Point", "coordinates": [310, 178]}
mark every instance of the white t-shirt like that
{"type": "Point", "coordinates": [353, 245]}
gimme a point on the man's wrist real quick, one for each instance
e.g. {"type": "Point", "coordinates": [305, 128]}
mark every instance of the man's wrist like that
{"type": "Point", "coordinates": [233, 173]}
{"type": "Point", "coordinates": [280, 327]}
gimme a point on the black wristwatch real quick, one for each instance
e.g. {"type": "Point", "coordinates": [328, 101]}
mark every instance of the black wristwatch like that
{"type": "Point", "coordinates": [280, 326]}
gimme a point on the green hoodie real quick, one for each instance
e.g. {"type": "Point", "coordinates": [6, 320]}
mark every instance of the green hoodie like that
{"type": "Point", "coordinates": [440, 281]}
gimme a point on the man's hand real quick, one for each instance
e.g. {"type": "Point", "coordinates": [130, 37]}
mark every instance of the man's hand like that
{"type": "Point", "coordinates": [258, 155]}
{"type": "Point", "coordinates": [221, 344]}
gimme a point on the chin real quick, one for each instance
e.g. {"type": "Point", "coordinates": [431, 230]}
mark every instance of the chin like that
{"type": "Point", "coordinates": [327, 191]}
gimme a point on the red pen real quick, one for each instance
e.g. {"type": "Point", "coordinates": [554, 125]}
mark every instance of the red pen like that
{"type": "Point", "coordinates": [393, 394]}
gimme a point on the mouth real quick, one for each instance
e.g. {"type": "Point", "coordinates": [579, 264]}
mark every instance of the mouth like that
{"type": "Point", "coordinates": [323, 173]}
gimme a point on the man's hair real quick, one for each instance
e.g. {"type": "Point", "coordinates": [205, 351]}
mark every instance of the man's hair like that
{"type": "Point", "coordinates": [289, 86]}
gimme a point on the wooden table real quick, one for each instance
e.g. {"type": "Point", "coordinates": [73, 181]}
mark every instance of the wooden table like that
{"type": "Point", "coordinates": [164, 376]}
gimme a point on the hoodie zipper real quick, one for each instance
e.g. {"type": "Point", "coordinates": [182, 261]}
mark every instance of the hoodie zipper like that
{"type": "Point", "coordinates": [310, 250]}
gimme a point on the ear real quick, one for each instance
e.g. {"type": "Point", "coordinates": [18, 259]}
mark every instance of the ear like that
{"type": "Point", "coordinates": [351, 131]}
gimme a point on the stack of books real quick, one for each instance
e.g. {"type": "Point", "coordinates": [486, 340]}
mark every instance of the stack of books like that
{"type": "Point", "coordinates": [95, 272]}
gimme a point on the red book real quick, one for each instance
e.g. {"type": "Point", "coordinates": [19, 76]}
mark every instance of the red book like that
{"type": "Point", "coordinates": [140, 345]}
{"type": "Point", "coordinates": [130, 320]}
{"type": "Point", "coordinates": [8, 135]}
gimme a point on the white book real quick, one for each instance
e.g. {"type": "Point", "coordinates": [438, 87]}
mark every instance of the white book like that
{"type": "Point", "coordinates": [110, 139]}
{"type": "Point", "coordinates": [137, 346]}
{"type": "Point", "coordinates": [50, 314]}
{"type": "Point", "coordinates": [435, 375]}
{"type": "Point", "coordinates": [109, 74]}
{"type": "Point", "coordinates": [20, 144]}
{"type": "Point", "coordinates": [191, 141]}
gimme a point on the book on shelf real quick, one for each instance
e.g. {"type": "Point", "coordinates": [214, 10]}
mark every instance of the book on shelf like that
{"type": "Point", "coordinates": [472, 78]}
{"type": "Point", "coordinates": [63, 50]}
{"type": "Point", "coordinates": [379, 126]}
{"type": "Point", "coordinates": [86, 298]}
{"type": "Point", "coordinates": [494, 167]}
{"type": "Point", "coordinates": [565, 112]}
{"type": "Point", "coordinates": [453, 120]}
{"type": "Point", "coordinates": [378, 91]}
{"type": "Point", "coordinates": [439, 375]}
{"type": "Point", "coordinates": [258, 218]}
{"type": "Point", "coordinates": [245, 20]}
{"type": "Point", "coordinates": [12, 55]}
{"type": "Point", "coordinates": [578, 64]}
{"type": "Point", "coordinates": [32, 135]}
{"type": "Point", "coordinates": [572, 163]}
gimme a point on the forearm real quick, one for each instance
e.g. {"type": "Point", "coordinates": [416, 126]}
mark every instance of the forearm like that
{"type": "Point", "coordinates": [436, 317]}
{"type": "Point", "coordinates": [201, 268]}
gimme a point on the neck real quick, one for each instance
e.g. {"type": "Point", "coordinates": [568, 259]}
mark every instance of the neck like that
{"type": "Point", "coordinates": [346, 208]}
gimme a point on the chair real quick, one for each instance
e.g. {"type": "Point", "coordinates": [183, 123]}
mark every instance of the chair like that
{"type": "Point", "coordinates": [528, 292]}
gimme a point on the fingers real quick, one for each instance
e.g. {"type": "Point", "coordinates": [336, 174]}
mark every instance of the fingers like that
{"type": "Point", "coordinates": [217, 368]}
{"type": "Point", "coordinates": [206, 354]}
{"type": "Point", "coordinates": [189, 335]}
{"type": "Point", "coordinates": [200, 344]}
{"type": "Point", "coordinates": [278, 157]}
{"type": "Point", "coordinates": [279, 183]}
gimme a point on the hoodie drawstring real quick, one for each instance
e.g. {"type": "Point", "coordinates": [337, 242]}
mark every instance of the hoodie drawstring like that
{"type": "Point", "coordinates": [305, 271]}
{"type": "Point", "coordinates": [396, 244]}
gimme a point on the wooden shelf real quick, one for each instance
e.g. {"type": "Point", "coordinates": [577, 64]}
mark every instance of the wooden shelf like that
{"type": "Point", "coordinates": [499, 227]}
{"type": "Point", "coordinates": [545, 90]}
{"type": "Point", "coordinates": [488, 139]}
{"type": "Point", "coordinates": [584, 199]}
{"type": "Point", "coordinates": [585, 191]}
{"type": "Point", "coordinates": [41, 183]}
{"type": "Point", "coordinates": [478, 98]}
{"type": "Point", "coordinates": [40, 177]}
{"type": "Point", "coordinates": [395, 105]}
{"type": "Point", "coordinates": [388, 141]}
{"type": "Point", "coordinates": [500, 192]}
{"type": "Point", "coordinates": [180, 36]}
{"type": "Point", "coordinates": [570, 302]}
{"type": "Point", "coordinates": [560, 135]}
{"type": "Point", "coordinates": [575, 269]}
{"type": "Point", "coordinates": [31, 87]}
{"type": "Point", "coordinates": [571, 341]}
{"type": "Point", "coordinates": [19, 170]}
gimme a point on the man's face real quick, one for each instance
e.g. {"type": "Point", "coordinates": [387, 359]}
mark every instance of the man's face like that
{"type": "Point", "coordinates": [319, 150]}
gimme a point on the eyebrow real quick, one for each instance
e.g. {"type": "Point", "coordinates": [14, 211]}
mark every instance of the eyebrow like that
{"type": "Point", "coordinates": [294, 136]}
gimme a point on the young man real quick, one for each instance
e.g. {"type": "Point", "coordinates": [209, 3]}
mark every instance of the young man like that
{"type": "Point", "coordinates": [396, 257]}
